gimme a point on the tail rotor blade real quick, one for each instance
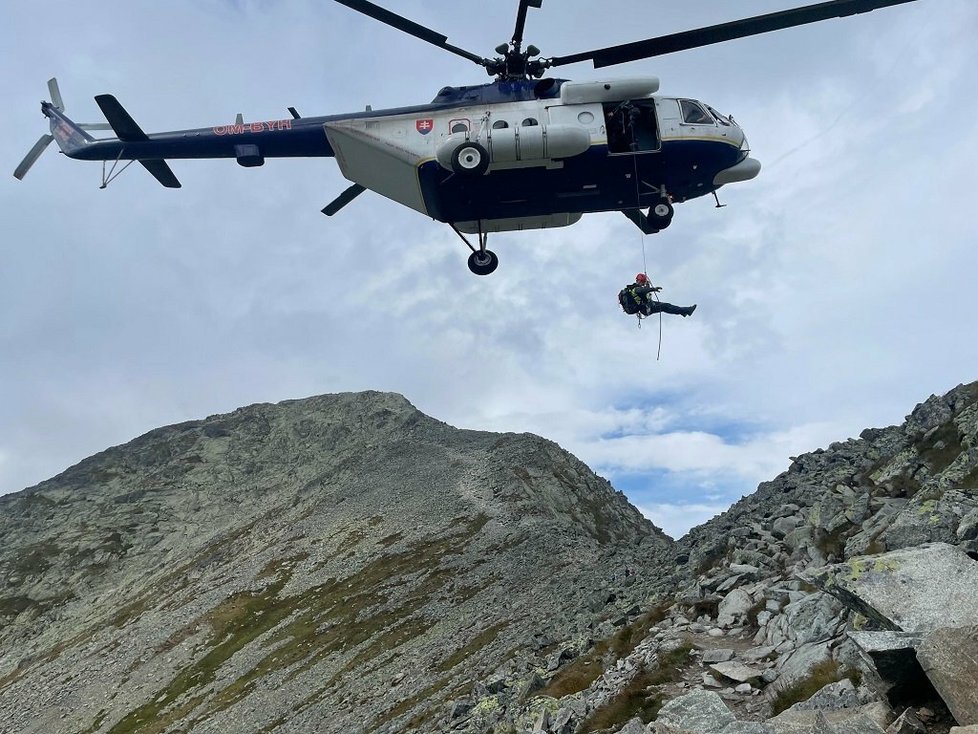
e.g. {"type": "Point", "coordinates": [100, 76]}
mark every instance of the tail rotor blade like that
{"type": "Point", "coordinates": [56, 94]}
{"type": "Point", "coordinates": [32, 156]}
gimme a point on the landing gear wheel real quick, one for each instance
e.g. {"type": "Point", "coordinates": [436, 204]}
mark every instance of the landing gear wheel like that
{"type": "Point", "coordinates": [484, 262]}
{"type": "Point", "coordinates": [470, 159]}
{"type": "Point", "coordinates": [662, 210]}
{"type": "Point", "coordinates": [661, 214]}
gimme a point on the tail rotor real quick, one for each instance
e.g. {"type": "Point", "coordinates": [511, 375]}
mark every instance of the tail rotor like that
{"type": "Point", "coordinates": [32, 156]}
{"type": "Point", "coordinates": [55, 93]}
{"type": "Point", "coordinates": [45, 140]}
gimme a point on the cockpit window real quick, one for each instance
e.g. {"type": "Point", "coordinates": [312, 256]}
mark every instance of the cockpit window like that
{"type": "Point", "coordinates": [693, 114]}
{"type": "Point", "coordinates": [720, 118]}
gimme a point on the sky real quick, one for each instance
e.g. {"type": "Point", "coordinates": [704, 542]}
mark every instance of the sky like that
{"type": "Point", "coordinates": [834, 292]}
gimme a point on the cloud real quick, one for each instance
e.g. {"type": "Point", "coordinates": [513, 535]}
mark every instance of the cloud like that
{"type": "Point", "coordinates": [677, 519]}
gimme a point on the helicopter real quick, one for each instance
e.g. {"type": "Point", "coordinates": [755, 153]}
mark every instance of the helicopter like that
{"type": "Point", "coordinates": [524, 151]}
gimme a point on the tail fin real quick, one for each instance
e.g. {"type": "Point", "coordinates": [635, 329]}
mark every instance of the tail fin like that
{"type": "Point", "coordinates": [69, 135]}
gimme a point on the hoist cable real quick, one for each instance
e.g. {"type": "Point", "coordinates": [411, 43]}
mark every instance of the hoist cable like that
{"type": "Point", "coordinates": [645, 263]}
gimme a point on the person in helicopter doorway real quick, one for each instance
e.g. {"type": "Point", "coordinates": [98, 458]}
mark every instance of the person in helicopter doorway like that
{"type": "Point", "coordinates": [637, 298]}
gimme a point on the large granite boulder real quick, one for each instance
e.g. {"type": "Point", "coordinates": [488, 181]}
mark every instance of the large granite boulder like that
{"type": "Point", "coordinates": [700, 712]}
{"type": "Point", "coordinates": [950, 659]}
{"type": "Point", "coordinates": [930, 519]}
{"type": "Point", "coordinates": [911, 590]}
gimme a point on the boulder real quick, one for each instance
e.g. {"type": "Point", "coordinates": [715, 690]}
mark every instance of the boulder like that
{"type": "Point", "coordinates": [906, 723]}
{"type": "Point", "coordinates": [798, 664]}
{"type": "Point", "coordinates": [748, 727]}
{"type": "Point", "coordinates": [719, 655]}
{"type": "Point", "coordinates": [949, 657]}
{"type": "Point", "coordinates": [892, 654]}
{"type": "Point", "coordinates": [820, 722]}
{"type": "Point", "coordinates": [634, 726]}
{"type": "Point", "coordinates": [799, 722]}
{"type": "Point", "coordinates": [968, 527]}
{"type": "Point", "coordinates": [929, 519]}
{"type": "Point", "coordinates": [785, 525]}
{"type": "Point", "coordinates": [737, 672]}
{"type": "Point", "coordinates": [912, 590]}
{"type": "Point", "coordinates": [734, 608]}
{"type": "Point", "coordinates": [700, 712]}
{"type": "Point", "coordinates": [833, 697]}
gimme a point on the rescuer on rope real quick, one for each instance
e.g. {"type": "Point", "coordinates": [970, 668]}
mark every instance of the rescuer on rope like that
{"type": "Point", "coordinates": [639, 298]}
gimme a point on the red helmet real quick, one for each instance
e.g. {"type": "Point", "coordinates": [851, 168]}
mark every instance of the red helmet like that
{"type": "Point", "coordinates": [641, 278]}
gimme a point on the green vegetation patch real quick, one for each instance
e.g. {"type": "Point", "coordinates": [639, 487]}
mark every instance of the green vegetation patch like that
{"type": "Point", "coordinates": [639, 698]}
{"type": "Point", "coordinates": [821, 675]}
{"type": "Point", "coordinates": [352, 540]}
{"type": "Point", "coordinates": [970, 481]}
{"type": "Point", "coordinates": [941, 448]}
{"type": "Point", "coordinates": [580, 673]}
{"type": "Point", "coordinates": [11, 606]}
{"type": "Point", "coordinates": [834, 543]}
{"type": "Point", "coordinates": [404, 706]}
{"type": "Point", "coordinates": [36, 559]}
{"type": "Point", "coordinates": [480, 641]}
{"type": "Point", "coordinates": [390, 539]}
{"type": "Point", "coordinates": [306, 628]}
{"type": "Point", "coordinates": [629, 636]}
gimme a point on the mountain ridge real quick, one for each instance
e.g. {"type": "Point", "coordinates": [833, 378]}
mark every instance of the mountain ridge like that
{"type": "Point", "coordinates": [251, 524]}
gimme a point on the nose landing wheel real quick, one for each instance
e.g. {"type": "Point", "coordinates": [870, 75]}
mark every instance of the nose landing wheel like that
{"type": "Point", "coordinates": [481, 261]}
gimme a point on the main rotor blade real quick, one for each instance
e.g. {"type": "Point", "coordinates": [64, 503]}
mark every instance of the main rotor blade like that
{"type": "Point", "coordinates": [408, 26]}
{"type": "Point", "coordinates": [725, 32]}
{"type": "Point", "coordinates": [343, 199]}
{"type": "Point", "coordinates": [55, 94]}
{"type": "Point", "coordinates": [32, 156]}
{"type": "Point", "coordinates": [521, 19]}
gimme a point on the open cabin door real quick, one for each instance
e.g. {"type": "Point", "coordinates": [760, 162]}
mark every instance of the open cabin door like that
{"type": "Point", "coordinates": [632, 127]}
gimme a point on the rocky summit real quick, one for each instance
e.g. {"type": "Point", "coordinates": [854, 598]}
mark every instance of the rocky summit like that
{"type": "Point", "coordinates": [347, 564]}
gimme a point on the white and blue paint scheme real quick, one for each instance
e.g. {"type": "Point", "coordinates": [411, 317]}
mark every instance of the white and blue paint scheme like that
{"type": "Point", "coordinates": [521, 152]}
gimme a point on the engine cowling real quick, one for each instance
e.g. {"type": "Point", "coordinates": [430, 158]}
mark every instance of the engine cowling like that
{"type": "Point", "coordinates": [540, 144]}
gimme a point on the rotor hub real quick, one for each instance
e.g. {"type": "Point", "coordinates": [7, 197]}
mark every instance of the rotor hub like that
{"type": "Point", "coordinates": [515, 63]}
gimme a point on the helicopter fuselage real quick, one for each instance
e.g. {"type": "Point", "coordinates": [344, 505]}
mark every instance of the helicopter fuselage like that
{"type": "Point", "coordinates": [539, 153]}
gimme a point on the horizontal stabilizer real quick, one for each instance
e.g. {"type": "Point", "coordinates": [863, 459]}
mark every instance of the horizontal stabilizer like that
{"type": "Point", "coordinates": [125, 127]}
{"type": "Point", "coordinates": [162, 173]}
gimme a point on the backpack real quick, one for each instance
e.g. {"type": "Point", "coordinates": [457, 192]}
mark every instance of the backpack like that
{"type": "Point", "coordinates": [627, 300]}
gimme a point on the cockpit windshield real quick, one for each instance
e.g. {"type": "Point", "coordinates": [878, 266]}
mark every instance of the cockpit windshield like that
{"type": "Point", "coordinates": [694, 114]}
{"type": "Point", "coordinates": [720, 118]}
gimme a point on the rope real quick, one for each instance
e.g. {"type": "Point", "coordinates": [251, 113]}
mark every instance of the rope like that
{"type": "Point", "coordinates": [645, 263]}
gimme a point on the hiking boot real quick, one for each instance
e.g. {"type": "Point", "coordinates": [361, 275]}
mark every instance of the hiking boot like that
{"type": "Point", "coordinates": [688, 311]}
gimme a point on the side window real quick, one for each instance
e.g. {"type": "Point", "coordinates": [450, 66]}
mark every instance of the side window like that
{"type": "Point", "coordinates": [500, 125]}
{"type": "Point", "coordinates": [693, 114]}
{"type": "Point", "coordinates": [529, 122]}
{"type": "Point", "coordinates": [458, 126]}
